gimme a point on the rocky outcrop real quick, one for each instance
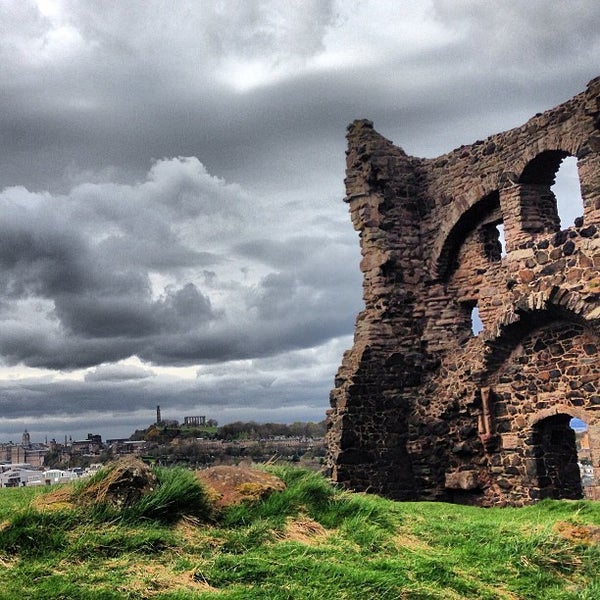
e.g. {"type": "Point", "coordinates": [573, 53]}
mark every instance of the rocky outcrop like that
{"type": "Point", "coordinates": [229, 485]}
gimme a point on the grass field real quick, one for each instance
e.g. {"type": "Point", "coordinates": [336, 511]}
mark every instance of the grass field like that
{"type": "Point", "coordinates": [310, 541]}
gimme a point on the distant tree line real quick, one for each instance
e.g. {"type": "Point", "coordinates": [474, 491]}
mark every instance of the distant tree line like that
{"type": "Point", "coordinates": [167, 431]}
{"type": "Point", "coordinates": [251, 430]}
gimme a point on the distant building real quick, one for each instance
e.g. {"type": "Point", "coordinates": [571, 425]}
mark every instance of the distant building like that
{"type": "Point", "coordinates": [91, 445]}
{"type": "Point", "coordinates": [122, 446]}
{"type": "Point", "coordinates": [19, 475]}
{"type": "Point", "coordinates": [53, 476]}
{"type": "Point", "coordinates": [25, 452]}
{"type": "Point", "coordinates": [194, 421]}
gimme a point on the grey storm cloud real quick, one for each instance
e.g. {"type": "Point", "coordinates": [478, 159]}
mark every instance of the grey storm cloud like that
{"type": "Point", "coordinates": [544, 30]}
{"type": "Point", "coordinates": [171, 184]}
{"type": "Point", "coordinates": [273, 252]}
{"type": "Point", "coordinates": [125, 264]}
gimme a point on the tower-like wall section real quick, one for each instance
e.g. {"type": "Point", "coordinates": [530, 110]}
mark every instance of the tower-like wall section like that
{"type": "Point", "coordinates": [422, 407]}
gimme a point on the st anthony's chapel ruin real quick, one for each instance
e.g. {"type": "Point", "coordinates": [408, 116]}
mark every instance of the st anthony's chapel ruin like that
{"type": "Point", "coordinates": [423, 408]}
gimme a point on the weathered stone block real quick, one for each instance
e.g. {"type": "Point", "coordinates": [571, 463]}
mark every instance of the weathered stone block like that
{"type": "Point", "coordinates": [510, 441]}
{"type": "Point", "coordinates": [461, 480]}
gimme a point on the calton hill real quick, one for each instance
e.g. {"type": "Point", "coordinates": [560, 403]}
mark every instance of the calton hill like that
{"type": "Point", "coordinates": [171, 443]}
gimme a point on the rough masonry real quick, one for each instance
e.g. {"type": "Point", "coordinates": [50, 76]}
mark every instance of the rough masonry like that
{"type": "Point", "coordinates": [423, 408]}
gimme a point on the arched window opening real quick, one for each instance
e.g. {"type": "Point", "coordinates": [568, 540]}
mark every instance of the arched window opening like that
{"type": "Point", "coordinates": [556, 461]}
{"type": "Point", "coordinates": [584, 455]}
{"type": "Point", "coordinates": [492, 239]}
{"type": "Point", "coordinates": [476, 323]}
{"type": "Point", "coordinates": [567, 191]}
{"type": "Point", "coordinates": [538, 211]}
{"type": "Point", "coordinates": [477, 225]}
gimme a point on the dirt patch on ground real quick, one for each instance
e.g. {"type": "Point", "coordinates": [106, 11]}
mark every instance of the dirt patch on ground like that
{"type": "Point", "coordinates": [152, 580]}
{"type": "Point", "coordinates": [228, 485]}
{"type": "Point", "coordinates": [62, 498]}
{"type": "Point", "coordinates": [588, 534]}
{"type": "Point", "coordinates": [411, 542]}
{"type": "Point", "coordinates": [304, 530]}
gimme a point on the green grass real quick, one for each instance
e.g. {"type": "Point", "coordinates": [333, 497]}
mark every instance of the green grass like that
{"type": "Point", "coordinates": [310, 541]}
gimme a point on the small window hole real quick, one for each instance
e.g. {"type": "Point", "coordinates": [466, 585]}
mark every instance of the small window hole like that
{"type": "Point", "coordinates": [501, 239]}
{"type": "Point", "coordinates": [476, 323]}
{"type": "Point", "coordinates": [567, 191]}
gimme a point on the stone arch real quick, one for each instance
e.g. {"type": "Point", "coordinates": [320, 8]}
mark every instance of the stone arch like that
{"type": "Point", "coordinates": [518, 324]}
{"type": "Point", "coordinates": [572, 140]}
{"type": "Point", "coordinates": [561, 408]}
{"type": "Point", "coordinates": [538, 205]}
{"type": "Point", "coordinates": [536, 167]}
{"type": "Point", "coordinates": [530, 313]}
{"type": "Point", "coordinates": [592, 449]}
{"type": "Point", "coordinates": [542, 168]}
{"type": "Point", "coordinates": [539, 162]}
{"type": "Point", "coordinates": [543, 371]}
{"type": "Point", "coordinates": [553, 300]}
{"type": "Point", "coordinates": [485, 212]}
{"type": "Point", "coordinates": [525, 192]}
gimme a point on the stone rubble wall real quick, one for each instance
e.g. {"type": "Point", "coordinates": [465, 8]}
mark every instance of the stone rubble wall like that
{"type": "Point", "coordinates": [424, 409]}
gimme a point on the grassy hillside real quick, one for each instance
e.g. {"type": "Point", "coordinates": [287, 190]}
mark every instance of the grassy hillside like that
{"type": "Point", "coordinates": [310, 541]}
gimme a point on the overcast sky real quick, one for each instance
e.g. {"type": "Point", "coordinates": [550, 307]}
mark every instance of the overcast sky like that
{"type": "Point", "coordinates": [171, 179]}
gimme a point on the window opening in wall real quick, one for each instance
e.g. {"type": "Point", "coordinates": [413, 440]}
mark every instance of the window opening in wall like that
{"type": "Point", "coordinates": [539, 212]}
{"type": "Point", "coordinates": [476, 323]}
{"type": "Point", "coordinates": [567, 190]}
{"type": "Point", "coordinates": [492, 237]}
{"type": "Point", "coordinates": [501, 239]}
{"type": "Point", "coordinates": [584, 455]}
{"type": "Point", "coordinates": [482, 217]}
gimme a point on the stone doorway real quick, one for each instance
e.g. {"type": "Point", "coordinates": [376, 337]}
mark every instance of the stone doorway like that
{"type": "Point", "coordinates": [554, 452]}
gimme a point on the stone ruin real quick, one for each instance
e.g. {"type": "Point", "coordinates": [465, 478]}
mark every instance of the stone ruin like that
{"type": "Point", "coordinates": [424, 409]}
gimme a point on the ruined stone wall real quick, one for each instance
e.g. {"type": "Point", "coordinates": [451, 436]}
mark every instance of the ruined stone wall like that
{"type": "Point", "coordinates": [422, 408]}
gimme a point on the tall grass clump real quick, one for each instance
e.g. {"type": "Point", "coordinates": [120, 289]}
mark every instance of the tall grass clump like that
{"type": "Point", "coordinates": [178, 494]}
{"type": "Point", "coordinates": [175, 493]}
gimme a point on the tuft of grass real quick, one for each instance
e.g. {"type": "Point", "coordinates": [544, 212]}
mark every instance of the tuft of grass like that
{"type": "Point", "coordinates": [178, 493]}
{"type": "Point", "coordinates": [115, 541]}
